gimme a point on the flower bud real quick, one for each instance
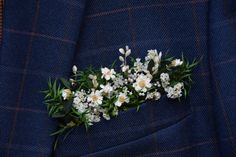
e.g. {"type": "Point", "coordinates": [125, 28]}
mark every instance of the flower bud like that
{"type": "Point", "coordinates": [74, 69]}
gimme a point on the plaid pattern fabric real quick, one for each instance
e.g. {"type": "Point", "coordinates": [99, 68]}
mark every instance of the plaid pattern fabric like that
{"type": "Point", "coordinates": [43, 38]}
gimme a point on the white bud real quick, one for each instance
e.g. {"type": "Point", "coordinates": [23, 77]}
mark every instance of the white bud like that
{"type": "Point", "coordinates": [128, 52]}
{"type": "Point", "coordinates": [122, 51]}
{"type": "Point", "coordinates": [91, 76]}
{"type": "Point", "coordinates": [74, 69]}
{"type": "Point", "coordinates": [130, 80]}
{"type": "Point", "coordinates": [121, 58]}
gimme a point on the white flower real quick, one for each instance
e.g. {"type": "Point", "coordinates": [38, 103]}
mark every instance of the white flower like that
{"type": "Point", "coordinates": [153, 55]}
{"type": "Point", "coordinates": [175, 92]}
{"type": "Point", "coordinates": [176, 62]}
{"type": "Point", "coordinates": [74, 69]}
{"type": "Point", "coordinates": [157, 95]}
{"type": "Point", "coordinates": [115, 111]}
{"type": "Point", "coordinates": [77, 100]}
{"type": "Point", "coordinates": [165, 78]}
{"type": "Point", "coordinates": [93, 118]}
{"type": "Point", "coordinates": [66, 93]}
{"type": "Point", "coordinates": [108, 73]}
{"type": "Point", "coordinates": [81, 95]}
{"type": "Point", "coordinates": [142, 83]}
{"type": "Point", "coordinates": [95, 98]}
{"type": "Point", "coordinates": [107, 89]}
{"type": "Point", "coordinates": [118, 81]}
{"type": "Point", "coordinates": [139, 66]}
{"type": "Point", "coordinates": [150, 96]}
{"type": "Point", "coordinates": [106, 116]}
{"type": "Point", "coordinates": [125, 68]}
{"type": "Point", "coordinates": [81, 107]}
{"type": "Point", "coordinates": [122, 98]}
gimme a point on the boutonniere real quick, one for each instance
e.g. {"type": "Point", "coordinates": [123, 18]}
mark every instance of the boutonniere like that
{"type": "Point", "coordinates": [93, 94]}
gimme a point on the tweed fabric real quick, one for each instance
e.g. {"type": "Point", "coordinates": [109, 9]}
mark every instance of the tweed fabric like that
{"type": "Point", "coordinates": [44, 39]}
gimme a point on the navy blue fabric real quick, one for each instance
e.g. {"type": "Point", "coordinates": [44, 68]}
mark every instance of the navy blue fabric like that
{"type": "Point", "coordinates": [43, 38]}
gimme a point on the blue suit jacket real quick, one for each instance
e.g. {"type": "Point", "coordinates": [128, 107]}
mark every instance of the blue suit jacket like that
{"type": "Point", "coordinates": [44, 38]}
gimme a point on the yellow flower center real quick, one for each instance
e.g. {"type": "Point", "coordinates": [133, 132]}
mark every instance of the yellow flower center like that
{"type": "Point", "coordinates": [121, 99]}
{"type": "Point", "coordinates": [142, 83]}
{"type": "Point", "coordinates": [94, 98]}
{"type": "Point", "coordinates": [108, 73]}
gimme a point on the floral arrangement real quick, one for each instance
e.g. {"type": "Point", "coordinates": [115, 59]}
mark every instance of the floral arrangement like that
{"type": "Point", "coordinates": [93, 94]}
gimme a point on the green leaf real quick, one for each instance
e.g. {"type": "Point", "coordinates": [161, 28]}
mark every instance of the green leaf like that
{"type": "Point", "coordinates": [67, 106]}
{"type": "Point", "coordinates": [49, 83]}
{"type": "Point", "coordinates": [61, 130]}
{"type": "Point", "coordinates": [138, 107]}
{"type": "Point", "coordinates": [113, 64]}
{"type": "Point", "coordinates": [54, 88]}
{"type": "Point", "coordinates": [55, 143]}
{"type": "Point", "coordinates": [65, 82]}
{"type": "Point", "coordinates": [68, 133]}
{"type": "Point", "coordinates": [58, 115]}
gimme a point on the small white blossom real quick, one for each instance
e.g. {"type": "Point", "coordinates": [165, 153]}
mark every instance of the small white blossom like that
{"type": "Point", "coordinates": [79, 101]}
{"type": "Point", "coordinates": [139, 66]}
{"type": "Point", "coordinates": [81, 107]}
{"type": "Point", "coordinates": [93, 117]}
{"type": "Point", "coordinates": [157, 95]}
{"type": "Point", "coordinates": [108, 73]}
{"type": "Point", "coordinates": [122, 98]}
{"type": "Point", "coordinates": [66, 93]}
{"type": "Point", "coordinates": [142, 83]}
{"type": "Point", "coordinates": [115, 111]}
{"type": "Point", "coordinates": [130, 80]}
{"type": "Point", "coordinates": [106, 116]}
{"type": "Point", "coordinates": [107, 89]}
{"type": "Point", "coordinates": [81, 95]}
{"type": "Point", "coordinates": [95, 98]}
{"type": "Point", "coordinates": [125, 68]}
{"type": "Point", "coordinates": [141, 94]}
{"type": "Point", "coordinates": [118, 81]}
{"type": "Point", "coordinates": [165, 78]}
{"type": "Point", "coordinates": [158, 84]}
{"type": "Point", "coordinates": [174, 92]}
{"type": "Point", "coordinates": [176, 62]}
{"type": "Point", "coordinates": [149, 96]}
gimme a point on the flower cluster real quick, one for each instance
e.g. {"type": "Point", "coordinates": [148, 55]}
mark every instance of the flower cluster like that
{"type": "Point", "coordinates": [93, 94]}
